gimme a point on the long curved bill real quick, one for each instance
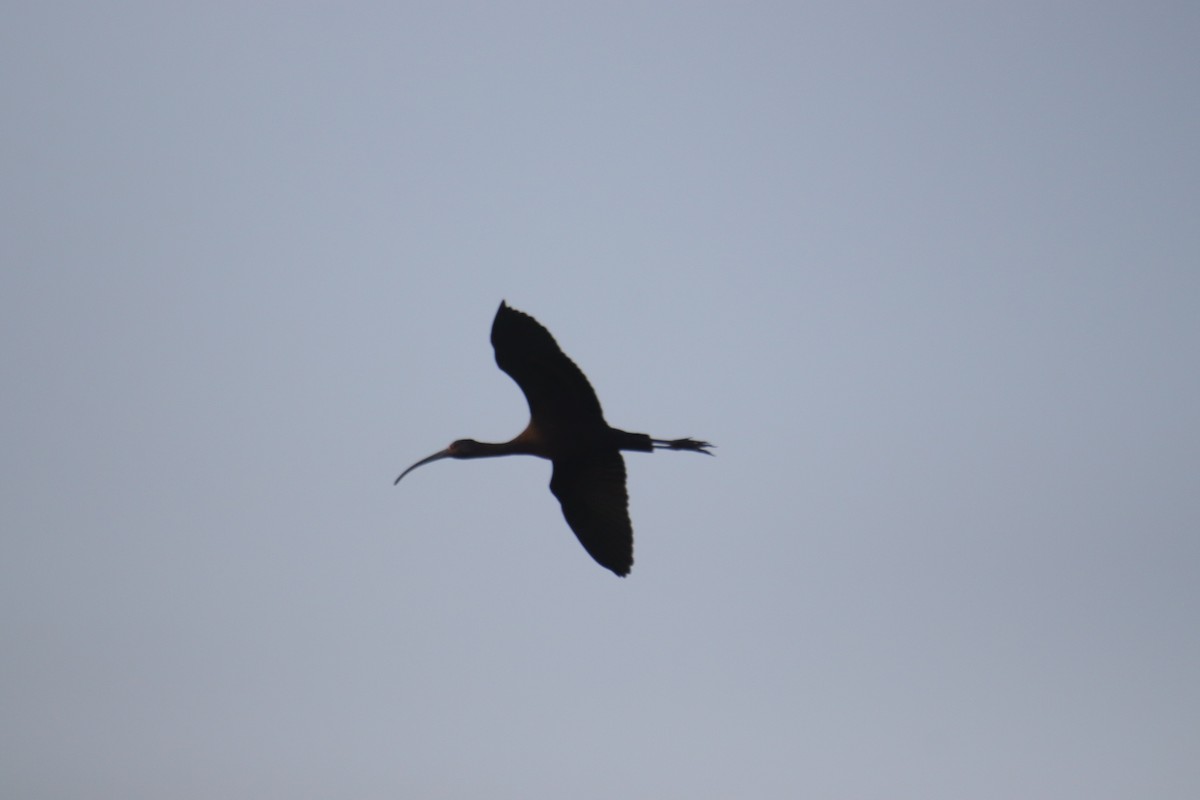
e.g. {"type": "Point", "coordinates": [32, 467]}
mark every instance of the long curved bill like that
{"type": "Point", "coordinates": [435, 457]}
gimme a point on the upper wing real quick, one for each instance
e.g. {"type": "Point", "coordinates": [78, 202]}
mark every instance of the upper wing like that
{"type": "Point", "coordinates": [592, 493]}
{"type": "Point", "coordinates": [556, 389]}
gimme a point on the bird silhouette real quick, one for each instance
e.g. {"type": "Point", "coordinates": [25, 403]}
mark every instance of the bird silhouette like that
{"type": "Point", "coordinates": [567, 427]}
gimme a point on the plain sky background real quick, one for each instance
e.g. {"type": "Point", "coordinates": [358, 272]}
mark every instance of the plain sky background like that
{"type": "Point", "coordinates": [927, 273]}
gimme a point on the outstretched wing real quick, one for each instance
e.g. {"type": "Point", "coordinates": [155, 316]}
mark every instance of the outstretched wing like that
{"type": "Point", "coordinates": [592, 493]}
{"type": "Point", "coordinates": [559, 395]}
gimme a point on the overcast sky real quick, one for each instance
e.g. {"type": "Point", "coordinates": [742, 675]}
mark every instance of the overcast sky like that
{"type": "Point", "coordinates": [928, 274]}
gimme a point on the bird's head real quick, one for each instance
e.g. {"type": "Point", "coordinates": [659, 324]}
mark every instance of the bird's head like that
{"type": "Point", "coordinates": [460, 448]}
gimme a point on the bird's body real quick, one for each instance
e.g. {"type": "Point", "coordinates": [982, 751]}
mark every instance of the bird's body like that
{"type": "Point", "coordinates": [567, 427]}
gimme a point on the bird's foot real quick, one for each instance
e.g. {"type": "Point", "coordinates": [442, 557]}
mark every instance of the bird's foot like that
{"type": "Point", "coordinates": [683, 444]}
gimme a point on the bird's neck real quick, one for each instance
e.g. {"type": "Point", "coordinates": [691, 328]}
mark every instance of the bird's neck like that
{"type": "Point", "coordinates": [516, 447]}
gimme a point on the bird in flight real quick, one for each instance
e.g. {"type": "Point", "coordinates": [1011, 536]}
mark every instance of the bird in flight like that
{"type": "Point", "coordinates": [567, 427]}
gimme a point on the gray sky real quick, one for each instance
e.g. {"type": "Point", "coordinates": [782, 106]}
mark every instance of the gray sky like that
{"type": "Point", "coordinates": [927, 273]}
